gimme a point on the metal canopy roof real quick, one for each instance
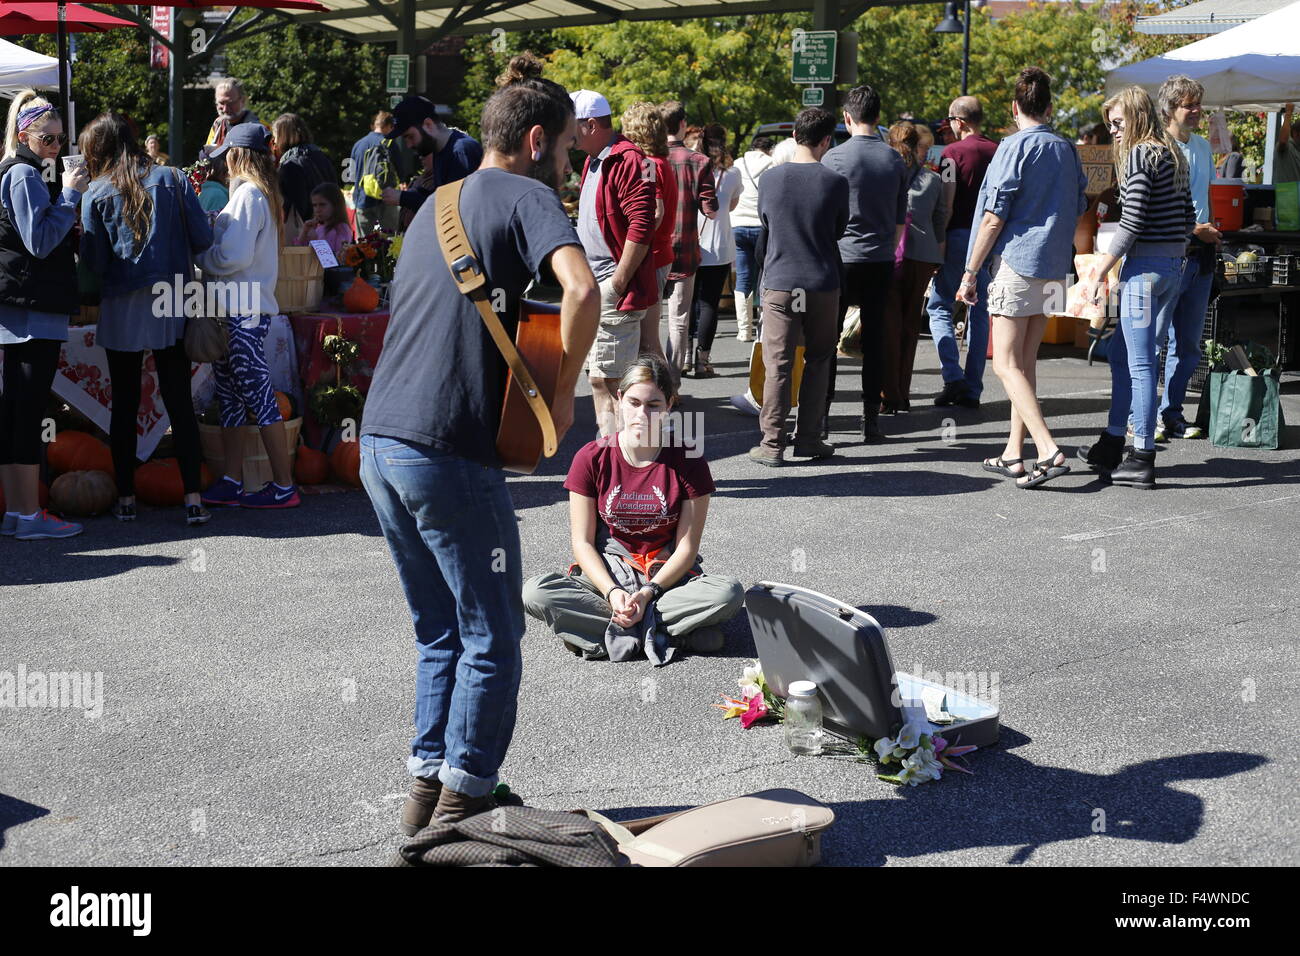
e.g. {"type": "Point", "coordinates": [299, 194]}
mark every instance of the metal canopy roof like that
{"type": "Point", "coordinates": [377, 21]}
{"type": "Point", "coordinates": [1209, 16]}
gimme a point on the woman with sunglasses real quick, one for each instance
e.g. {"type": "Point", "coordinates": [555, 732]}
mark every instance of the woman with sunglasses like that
{"type": "Point", "coordinates": [1156, 219]}
{"type": "Point", "coordinates": [38, 293]}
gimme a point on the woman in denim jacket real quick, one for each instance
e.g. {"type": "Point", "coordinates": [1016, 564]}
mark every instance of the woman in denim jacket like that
{"type": "Point", "coordinates": [142, 225]}
{"type": "Point", "coordinates": [1029, 204]}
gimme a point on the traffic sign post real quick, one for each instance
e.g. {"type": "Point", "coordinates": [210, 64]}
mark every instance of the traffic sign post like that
{"type": "Point", "coordinates": [813, 59]}
{"type": "Point", "coordinates": [814, 96]}
{"type": "Point", "coordinates": [399, 73]}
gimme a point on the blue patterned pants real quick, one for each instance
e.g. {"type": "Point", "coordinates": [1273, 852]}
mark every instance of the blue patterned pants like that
{"type": "Point", "coordinates": [243, 379]}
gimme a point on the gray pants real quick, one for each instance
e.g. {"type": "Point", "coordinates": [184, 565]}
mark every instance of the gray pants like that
{"type": "Point", "coordinates": [579, 616]}
{"type": "Point", "coordinates": [787, 321]}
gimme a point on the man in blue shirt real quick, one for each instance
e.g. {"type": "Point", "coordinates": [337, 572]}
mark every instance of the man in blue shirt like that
{"type": "Point", "coordinates": [372, 214]}
{"type": "Point", "coordinates": [448, 154]}
{"type": "Point", "coordinates": [1180, 108]}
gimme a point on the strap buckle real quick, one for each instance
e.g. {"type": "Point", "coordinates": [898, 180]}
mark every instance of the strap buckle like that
{"type": "Point", "coordinates": [466, 263]}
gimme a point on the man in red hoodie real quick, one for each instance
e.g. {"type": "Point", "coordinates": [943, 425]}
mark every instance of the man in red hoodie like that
{"type": "Point", "coordinates": [616, 224]}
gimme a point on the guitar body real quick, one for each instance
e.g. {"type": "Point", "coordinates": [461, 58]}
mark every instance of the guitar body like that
{"type": "Point", "coordinates": [519, 439]}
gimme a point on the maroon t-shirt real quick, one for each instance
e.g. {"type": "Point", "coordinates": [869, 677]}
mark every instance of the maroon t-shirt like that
{"type": "Point", "coordinates": [969, 158]}
{"type": "Point", "coordinates": [638, 507]}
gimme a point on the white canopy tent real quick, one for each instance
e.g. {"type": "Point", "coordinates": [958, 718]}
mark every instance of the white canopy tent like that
{"type": "Point", "coordinates": [1255, 66]}
{"type": "Point", "coordinates": [21, 68]}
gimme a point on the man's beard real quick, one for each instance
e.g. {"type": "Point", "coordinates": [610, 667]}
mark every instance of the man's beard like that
{"type": "Point", "coordinates": [543, 170]}
{"type": "Point", "coordinates": [427, 145]}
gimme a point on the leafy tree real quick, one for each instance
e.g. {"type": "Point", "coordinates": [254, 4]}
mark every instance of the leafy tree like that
{"type": "Point", "coordinates": [112, 73]}
{"type": "Point", "coordinates": [335, 84]}
{"type": "Point", "coordinates": [485, 57]}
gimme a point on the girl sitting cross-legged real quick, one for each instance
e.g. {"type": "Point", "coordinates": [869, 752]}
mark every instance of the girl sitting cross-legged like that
{"type": "Point", "coordinates": [637, 505]}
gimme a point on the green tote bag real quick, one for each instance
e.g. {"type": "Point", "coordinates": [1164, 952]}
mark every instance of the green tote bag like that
{"type": "Point", "coordinates": [1245, 411]}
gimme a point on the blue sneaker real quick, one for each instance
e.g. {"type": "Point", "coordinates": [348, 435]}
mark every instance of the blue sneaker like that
{"type": "Point", "coordinates": [271, 496]}
{"type": "Point", "coordinates": [224, 493]}
{"type": "Point", "coordinates": [45, 525]}
{"type": "Point", "coordinates": [9, 526]}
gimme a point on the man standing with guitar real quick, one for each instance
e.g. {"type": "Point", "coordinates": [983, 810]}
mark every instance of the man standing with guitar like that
{"type": "Point", "coordinates": [430, 457]}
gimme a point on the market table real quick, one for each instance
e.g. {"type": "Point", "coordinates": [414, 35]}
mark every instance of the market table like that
{"type": "Point", "coordinates": [367, 329]}
{"type": "Point", "coordinates": [83, 382]}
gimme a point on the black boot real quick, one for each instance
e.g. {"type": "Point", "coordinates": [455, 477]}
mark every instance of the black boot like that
{"type": "Point", "coordinates": [1137, 471]}
{"type": "Point", "coordinates": [1104, 454]}
{"type": "Point", "coordinates": [871, 433]}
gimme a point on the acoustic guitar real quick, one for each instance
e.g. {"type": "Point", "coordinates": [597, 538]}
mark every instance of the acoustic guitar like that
{"type": "Point", "coordinates": [520, 442]}
{"type": "Point", "coordinates": [527, 429]}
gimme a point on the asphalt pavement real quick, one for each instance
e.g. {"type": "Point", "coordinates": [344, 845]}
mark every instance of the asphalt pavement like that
{"type": "Point", "coordinates": [257, 674]}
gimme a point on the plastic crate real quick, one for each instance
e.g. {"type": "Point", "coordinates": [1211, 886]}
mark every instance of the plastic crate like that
{"type": "Point", "coordinates": [1244, 273]}
{"type": "Point", "coordinates": [1286, 270]}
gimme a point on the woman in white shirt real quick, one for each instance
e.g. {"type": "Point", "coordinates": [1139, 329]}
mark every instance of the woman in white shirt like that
{"type": "Point", "coordinates": [717, 247]}
{"type": "Point", "coordinates": [245, 257]}
{"type": "Point", "coordinates": [745, 229]}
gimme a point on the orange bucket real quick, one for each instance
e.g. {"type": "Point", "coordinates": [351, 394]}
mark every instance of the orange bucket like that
{"type": "Point", "coordinates": [1228, 205]}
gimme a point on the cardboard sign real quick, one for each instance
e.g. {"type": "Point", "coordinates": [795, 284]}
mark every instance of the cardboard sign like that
{"type": "Point", "coordinates": [324, 253]}
{"type": "Point", "coordinates": [1098, 166]}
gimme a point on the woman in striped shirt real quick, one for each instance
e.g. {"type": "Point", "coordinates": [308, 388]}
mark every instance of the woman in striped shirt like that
{"type": "Point", "coordinates": [1155, 220]}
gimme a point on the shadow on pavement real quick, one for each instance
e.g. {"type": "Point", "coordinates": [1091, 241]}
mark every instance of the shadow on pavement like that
{"type": "Point", "coordinates": [15, 812]}
{"type": "Point", "coordinates": [1014, 803]}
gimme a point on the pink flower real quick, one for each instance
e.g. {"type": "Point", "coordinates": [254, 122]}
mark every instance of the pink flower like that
{"type": "Point", "coordinates": [757, 711]}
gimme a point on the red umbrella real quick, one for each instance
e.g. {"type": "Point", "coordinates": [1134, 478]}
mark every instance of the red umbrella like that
{"type": "Point", "coordinates": [26, 19]}
{"type": "Point", "coordinates": [62, 28]}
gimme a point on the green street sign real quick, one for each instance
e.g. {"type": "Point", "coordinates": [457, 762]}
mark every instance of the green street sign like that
{"type": "Point", "coordinates": [399, 73]}
{"type": "Point", "coordinates": [814, 96]}
{"type": "Point", "coordinates": [813, 56]}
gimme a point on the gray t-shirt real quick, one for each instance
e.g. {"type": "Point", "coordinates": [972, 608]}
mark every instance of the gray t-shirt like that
{"type": "Point", "coordinates": [599, 257]}
{"type": "Point", "coordinates": [878, 182]}
{"type": "Point", "coordinates": [440, 379]}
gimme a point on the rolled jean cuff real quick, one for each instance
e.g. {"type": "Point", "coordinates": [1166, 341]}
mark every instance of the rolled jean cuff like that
{"type": "Point", "coordinates": [466, 783]}
{"type": "Point", "coordinates": [425, 767]}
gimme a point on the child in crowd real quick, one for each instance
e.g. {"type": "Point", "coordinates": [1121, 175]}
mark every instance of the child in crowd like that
{"type": "Point", "coordinates": [329, 219]}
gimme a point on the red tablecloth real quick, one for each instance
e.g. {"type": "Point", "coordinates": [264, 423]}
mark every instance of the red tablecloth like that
{"type": "Point", "coordinates": [309, 331]}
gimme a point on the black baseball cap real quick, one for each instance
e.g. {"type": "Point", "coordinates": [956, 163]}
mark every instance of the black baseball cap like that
{"type": "Point", "coordinates": [412, 111]}
{"type": "Point", "coordinates": [252, 136]}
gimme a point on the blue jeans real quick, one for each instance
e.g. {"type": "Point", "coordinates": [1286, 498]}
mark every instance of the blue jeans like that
{"type": "Point", "coordinates": [746, 265]}
{"type": "Point", "coordinates": [1185, 339]}
{"type": "Point", "coordinates": [942, 296]}
{"type": "Point", "coordinates": [450, 525]}
{"type": "Point", "coordinates": [1148, 296]}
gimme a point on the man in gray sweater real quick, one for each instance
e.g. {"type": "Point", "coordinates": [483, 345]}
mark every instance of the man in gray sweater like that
{"type": "Point", "coordinates": [803, 208]}
{"type": "Point", "coordinates": [878, 181]}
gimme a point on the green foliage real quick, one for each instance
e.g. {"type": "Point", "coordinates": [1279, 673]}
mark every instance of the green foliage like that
{"type": "Point", "coordinates": [112, 73]}
{"type": "Point", "coordinates": [336, 85]}
{"type": "Point", "coordinates": [485, 58]}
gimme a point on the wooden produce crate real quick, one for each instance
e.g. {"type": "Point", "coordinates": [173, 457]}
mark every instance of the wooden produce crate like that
{"type": "Point", "coordinates": [301, 281]}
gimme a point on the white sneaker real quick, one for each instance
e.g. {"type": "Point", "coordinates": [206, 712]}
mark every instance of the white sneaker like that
{"type": "Point", "coordinates": [746, 404]}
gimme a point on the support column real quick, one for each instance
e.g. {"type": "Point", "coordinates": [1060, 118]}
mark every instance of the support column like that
{"type": "Point", "coordinates": [826, 16]}
{"type": "Point", "coordinates": [406, 28]}
{"type": "Point", "coordinates": [176, 90]}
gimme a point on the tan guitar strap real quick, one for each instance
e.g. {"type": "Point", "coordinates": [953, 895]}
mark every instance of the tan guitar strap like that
{"type": "Point", "coordinates": [467, 273]}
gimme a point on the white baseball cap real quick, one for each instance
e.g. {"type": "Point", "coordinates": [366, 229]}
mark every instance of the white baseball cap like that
{"type": "Point", "coordinates": [587, 104]}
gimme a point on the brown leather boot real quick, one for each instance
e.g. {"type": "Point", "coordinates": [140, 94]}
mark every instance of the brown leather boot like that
{"type": "Point", "coordinates": [454, 806]}
{"type": "Point", "coordinates": [420, 804]}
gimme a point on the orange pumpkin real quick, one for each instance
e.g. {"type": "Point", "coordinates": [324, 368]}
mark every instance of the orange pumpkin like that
{"type": "Point", "coordinates": [311, 466]}
{"type": "Point", "coordinates": [78, 451]}
{"type": "Point", "coordinates": [43, 496]}
{"type": "Point", "coordinates": [345, 462]}
{"type": "Point", "coordinates": [286, 406]}
{"type": "Point", "coordinates": [159, 482]}
{"type": "Point", "coordinates": [83, 493]}
{"type": "Point", "coordinates": [361, 297]}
